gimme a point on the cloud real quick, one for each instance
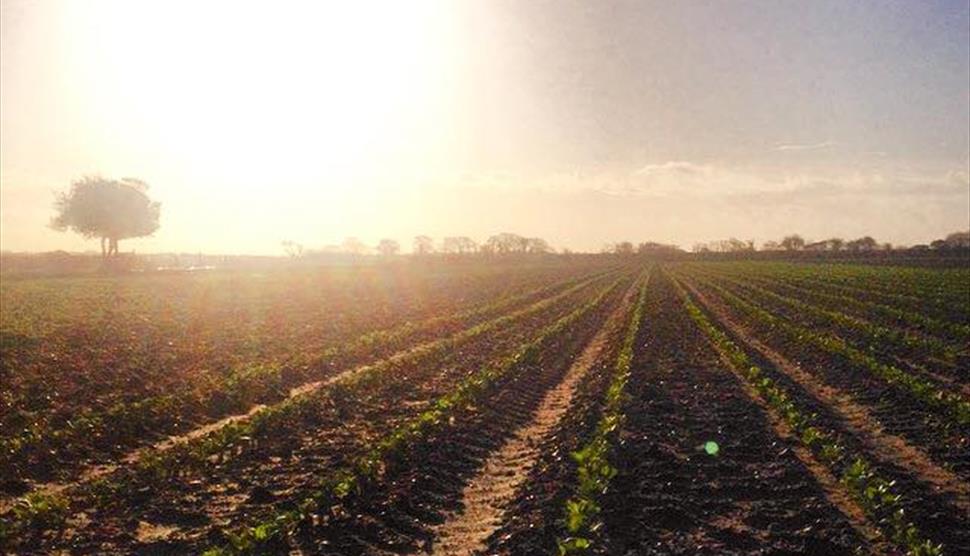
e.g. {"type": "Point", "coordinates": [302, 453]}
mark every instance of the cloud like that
{"type": "Point", "coordinates": [682, 202]}
{"type": "Point", "coordinates": [812, 147]}
{"type": "Point", "coordinates": [958, 178]}
{"type": "Point", "coordinates": [679, 179]}
{"type": "Point", "coordinates": [682, 178]}
{"type": "Point", "coordinates": [678, 166]}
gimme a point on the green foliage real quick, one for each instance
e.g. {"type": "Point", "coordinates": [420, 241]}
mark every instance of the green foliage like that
{"type": "Point", "coordinates": [593, 469]}
{"type": "Point", "coordinates": [368, 468]}
{"type": "Point", "coordinates": [876, 336]}
{"type": "Point", "coordinates": [247, 383]}
{"type": "Point", "coordinates": [98, 207]}
{"type": "Point", "coordinates": [896, 295]}
{"type": "Point", "coordinates": [948, 403]}
{"type": "Point", "coordinates": [37, 511]}
{"type": "Point", "coordinates": [250, 381]}
{"type": "Point", "coordinates": [873, 493]}
{"type": "Point", "coordinates": [573, 545]}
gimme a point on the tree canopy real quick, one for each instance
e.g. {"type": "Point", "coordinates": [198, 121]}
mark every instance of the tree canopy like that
{"type": "Point", "coordinates": [110, 209]}
{"type": "Point", "coordinates": [423, 245]}
{"type": "Point", "coordinates": [793, 242]}
{"type": "Point", "coordinates": [388, 247]}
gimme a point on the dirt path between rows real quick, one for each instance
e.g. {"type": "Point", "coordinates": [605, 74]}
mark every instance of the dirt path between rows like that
{"type": "Point", "coordinates": [834, 492]}
{"type": "Point", "coordinates": [855, 417]}
{"type": "Point", "coordinates": [904, 362]}
{"type": "Point", "coordinates": [488, 494]}
{"type": "Point", "coordinates": [93, 472]}
{"type": "Point", "coordinates": [97, 471]}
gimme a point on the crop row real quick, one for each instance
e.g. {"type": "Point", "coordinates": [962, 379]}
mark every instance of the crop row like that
{"type": "Point", "coordinates": [873, 493]}
{"type": "Point", "coordinates": [946, 403]}
{"type": "Point", "coordinates": [126, 424]}
{"type": "Point", "coordinates": [940, 287]}
{"type": "Point", "coordinates": [935, 328]}
{"type": "Point", "coordinates": [336, 487]}
{"type": "Point", "coordinates": [933, 359]}
{"type": "Point", "coordinates": [953, 308]}
{"type": "Point", "coordinates": [875, 336]}
{"type": "Point", "coordinates": [594, 470]}
{"type": "Point", "coordinates": [533, 519]}
{"type": "Point", "coordinates": [128, 339]}
{"type": "Point", "coordinates": [155, 466]}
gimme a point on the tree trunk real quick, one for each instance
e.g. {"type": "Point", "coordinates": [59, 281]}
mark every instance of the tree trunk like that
{"type": "Point", "coordinates": [113, 247]}
{"type": "Point", "coordinates": [104, 252]}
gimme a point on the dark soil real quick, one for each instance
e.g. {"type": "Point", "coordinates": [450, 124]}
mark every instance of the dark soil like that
{"type": "Point", "coordinates": [258, 478]}
{"type": "Point", "coordinates": [933, 512]}
{"type": "Point", "coordinates": [397, 516]}
{"type": "Point", "coordinates": [670, 496]}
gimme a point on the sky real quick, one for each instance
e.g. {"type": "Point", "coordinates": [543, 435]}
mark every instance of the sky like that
{"type": "Point", "coordinates": [580, 122]}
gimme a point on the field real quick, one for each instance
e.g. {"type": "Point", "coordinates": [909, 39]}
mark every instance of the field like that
{"type": "Point", "coordinates": [548, 405]}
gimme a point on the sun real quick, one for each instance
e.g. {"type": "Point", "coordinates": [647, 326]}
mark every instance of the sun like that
{"type": "Point", "coordinates": [240, 92]}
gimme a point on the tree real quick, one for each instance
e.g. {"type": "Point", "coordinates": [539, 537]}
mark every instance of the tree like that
{"type": "Point", "coordinates": [793, 242]}
{"type": "Point", "coordinates": [110, 209]}
{"type": "Point", "coordinates": [388, 247]}
{"type": "Point", "coordinates": [467, 245]}
{"type": "Point", "coordinates": [506, 243]}
{"type": "Point", "coordinates": [354, 246]}
{"type": "Point", "coordinates": [730, 245]}
{"type": "Point", "coordinates": [293, 249]}
{"type": "Point", "coordinates": [862, 244]}
{"type": "Point", "coordinates": [623, 248]}
{"type": "Point", "coordinates": [653, 248]}
{"type": "Point", "coordinates": [537, 245]}
{"type": "Point", "coordinates": [450, 246]}
{"type": "Point", "coordinates": [735, 245]}
{"type": "Point", "coordinates": [958, 240]}
{"type": "Point", "coordinates": [423, 245]}
{"type": "Point", "coordinates": [461, 245]}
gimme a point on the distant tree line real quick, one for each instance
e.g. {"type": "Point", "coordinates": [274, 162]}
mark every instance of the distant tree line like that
{"type": "Point", "coordinates": [513, 244]}
{"type": "Point", "coordinates": [795, 242]}
{"type": "Point", "coordinates": [500, 244]}
{"type": "Point", "coordinates": [956, 240]}
{"type": "Point", "coordinates": [650, 248]}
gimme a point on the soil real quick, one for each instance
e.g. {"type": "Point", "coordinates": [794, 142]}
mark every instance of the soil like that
{"type": "Point", "coordinates": [935, 498]}
{"type": "Point", "coordinates": [671, 496]}
{"type": "Point", "coordinates": [488, 494]}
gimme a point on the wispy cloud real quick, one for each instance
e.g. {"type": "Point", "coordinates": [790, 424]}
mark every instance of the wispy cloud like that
{"type": "Point", "coordinates": [809, 147]}
{"type": "Point", "coordinates": [685, 181]}
{"type": "Point", "coordinates": [695, 181]}
{"type": "Point", "coordinates": [678, 177]}
{"type": "Point", "coordinates": [678, 166]}
{"type": "Point", "coordinates": [683, 201]}
{"type": "Point", "coordinates": [959, 178]}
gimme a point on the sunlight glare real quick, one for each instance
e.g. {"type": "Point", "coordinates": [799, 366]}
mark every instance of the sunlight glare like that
{"type": "Point", "coordinates": [248, 92]}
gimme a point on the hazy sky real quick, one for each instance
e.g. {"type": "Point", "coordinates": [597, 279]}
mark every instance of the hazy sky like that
{"type": "Point", "coordinates": [580, 122]}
